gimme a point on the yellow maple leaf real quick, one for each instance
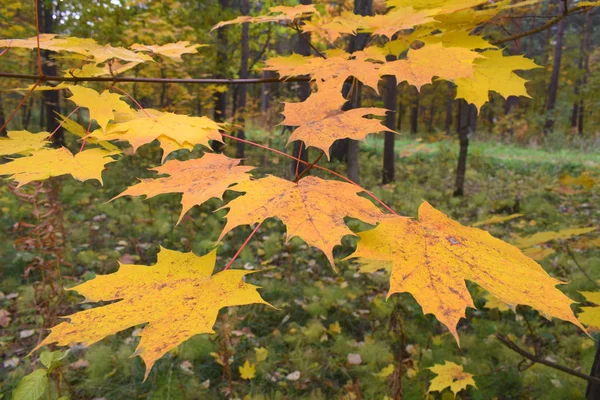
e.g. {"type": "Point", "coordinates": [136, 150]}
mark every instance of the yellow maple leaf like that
{"type": "Point", "coordinates": [591, 315]}
{"type": "Point", "coordinates": [321, 121]}
{"type": "Point", "coordinates": [585, 179]}
{"type": "Point", "coordinates": [174, 51]}
{"type": "Point", "coordinates": [330, 29]}
{"type": "Point", "coordinates": [422, 65]}
{"type": "Point", "coordinates": [394, 21]}
{"type": "Point", "coordinates": [198, 180]}
{"type": "Point", "coordinates": [247, 371]}
{"type": "Point", "coordinates": [46, 163]}
{"type": "Point", "coordinates": [431, 259]}
{"type": "Point", "coordinates": [22, 142]}
{"type": "Point", "coordinates": [86, 47]}
{"type": "Point", "coordinates": [276, 14]}
{"type": "Point", "coordinates": [494, 72]}
{"type": "Point", "coordinates": [386, 371]}
{"type": "Point", "coordinates": [493, 302]}
{"type": "Point", "coordinates": [173, 131]}
{"type": "Point", "coordinates": [335, 69]}
{"type": "Point", "coordinates": [496, 219]}
{"type": "Point", "coordinates": [538, 253]}
{"type": "Point", "coordinates": [543, 237]}
{"type": "Point", "coordinates": [436, 7]}
{"type": "Point", "coordinates": [312, 209]}
{"type": "Point", "coordinates": [458, 38]}
{"type": "Point", "coordinates": [450, 375]}
{"type": "Point", "coordinates": [79, 130]}
{"type": "Point", "coordinates": [261, 354]}
{"type": "Point", "coordinates": [101, 105]}
{"type": "Point", "coordinates": [93, 69]}
{"type": "Point", "coordinates": [178, 297]}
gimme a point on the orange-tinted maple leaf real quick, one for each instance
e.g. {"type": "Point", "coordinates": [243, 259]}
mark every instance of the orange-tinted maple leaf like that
{"type": "Point", "coordinates": [422, 65]}
{"type": "Point", "coordinates": [312, 209]}
{"type": "Point", "coordinates": [431, 259]}
{"type": "Point", "coordinates": [178, 297]}
{"type": "Point", "coordinates": [394, 21]}
{"type": "Point", "coordinates": [321, 121]}
{"type": "Point", "coordinates": [198, 180]}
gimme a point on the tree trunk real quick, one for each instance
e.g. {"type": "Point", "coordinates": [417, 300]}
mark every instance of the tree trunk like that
{"type": "Point", "coordinates": [586, 70]}
{"type": "Point", "coordinates": [219, 97]}
{"type": "Point", "coordinates": [414, 115]}
{"type": "Point", "coordinates": [449, 102]}
{"type": "Point", "coordinates": [242, 89]}
{"type": "Point", "coordinates": [302, 48]}
{"type": "Point", "coordinates": [2, 118]}
{"type": "Point", "coordinates": [389, 102]}
{"type": "Point", "coordinates": [50, 98]}
{"type": "Point", "coordinates": [593, 389]}
{"type": "Point", "coordinates": [465, 120]}
{"type": "Point", "coordinates": [553, 89]}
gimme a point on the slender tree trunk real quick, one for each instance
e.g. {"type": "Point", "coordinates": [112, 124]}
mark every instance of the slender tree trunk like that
{"type": "Point", "coordinates": [220, 97]}
{"type": "Point", "coordinates": [449, 102]}
{"type": "Point", "coordinates": [242, 89]}
{"type": "Point", "coordinates": [465, 119]}
{"type": "Point", "coordinates": [586, 70]}
{"type": "Point", "coordinates": [389, 102]}
{"type": "Point", "coordinates": [2, 119]}
{"type": "Point", "coordinates": [414, 116]}
{"type": "Point", "coordinates": [400, 111]}
{"type": "Point", "coordinates": [553, 89]}
{"type": "Point", "coordinates": [430, 117]}
{"type": "Point", "coordinates": [593, 389]}
{"type": "Point", "coordinates": [50, 98]}
{"type": "Point", "coordinates": [303, 48]}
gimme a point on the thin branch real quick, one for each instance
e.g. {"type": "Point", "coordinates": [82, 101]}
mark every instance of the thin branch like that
{"type": "Point", "coordinates": [508, 343]}
{"type": "Point", "coordinates": [307, 169]}
{"type": "Point", "coordinates": [303, 38]}
{"type": "Point", "coordinates": [570, 253]}
{"type": "Point", "coordinates": [377, 199]}
{"type": "Point", "coordinates": [19, 106]}
{"type": "Point", "coordinates": [37, 37]}
{"type": "Point", "coordinates": [540, 28]}
{"type": "Point", "coordinates": [206, 81]}
{"type": "Point", "coordinates": [262, 52]}
{"type": "Point", "coordinates": [242, 247]}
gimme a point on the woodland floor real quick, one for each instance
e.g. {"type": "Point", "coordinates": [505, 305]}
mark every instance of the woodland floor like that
{"type": "Point", "coordinates": [322, 317]}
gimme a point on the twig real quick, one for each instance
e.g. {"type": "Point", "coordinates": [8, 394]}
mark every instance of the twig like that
{"type": "Point", "coordinates": [303, 173]}
{"type": "Point", "coordinates": [570, 253]}
{"type": "Point", "coordinates": [205, 81]}
{"type": "Point", "coordinates": [508, 343]}
{"type": "Point", "coordinates": [540, 28]}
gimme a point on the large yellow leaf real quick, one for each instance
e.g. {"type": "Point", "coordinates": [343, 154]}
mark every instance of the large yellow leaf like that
{"type": "Point", "coordinates": [46, 163]}
{"type": "Point", "coordinates": [431, 259]}
{"type": "Point", "coordinates": [321, 121]}
{"type": "Point", "coordinates": [450, 375]}
{"type": "Point", "coordinates": [101, 105]}
{"type": "Point", "coordinates": [312, 209]}
{"type": "Point", "coordinates": [178, 297]}
{"type": "Point", "coordinates": [174, 51]}
{"type": "Point", "coordinates": [494, 72]}
{"type": "Point", "coordinates": [173, 131]}
{"type": "Point", "coordinates": [422, 65]}
{"type": "Point", "coordinates": [199, 180]}
{"type": "Point", "coordinates": [22, 142]}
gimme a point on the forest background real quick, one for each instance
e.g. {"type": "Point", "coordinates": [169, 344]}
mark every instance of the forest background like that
{"type": "Point", "coordinates": [518, 167]}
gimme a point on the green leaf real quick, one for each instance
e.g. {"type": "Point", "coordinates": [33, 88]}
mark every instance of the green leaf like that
{"type": "Point", "coordinates": [32, 386]}
{"type": "Point", "coordinates": [52, 359]}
